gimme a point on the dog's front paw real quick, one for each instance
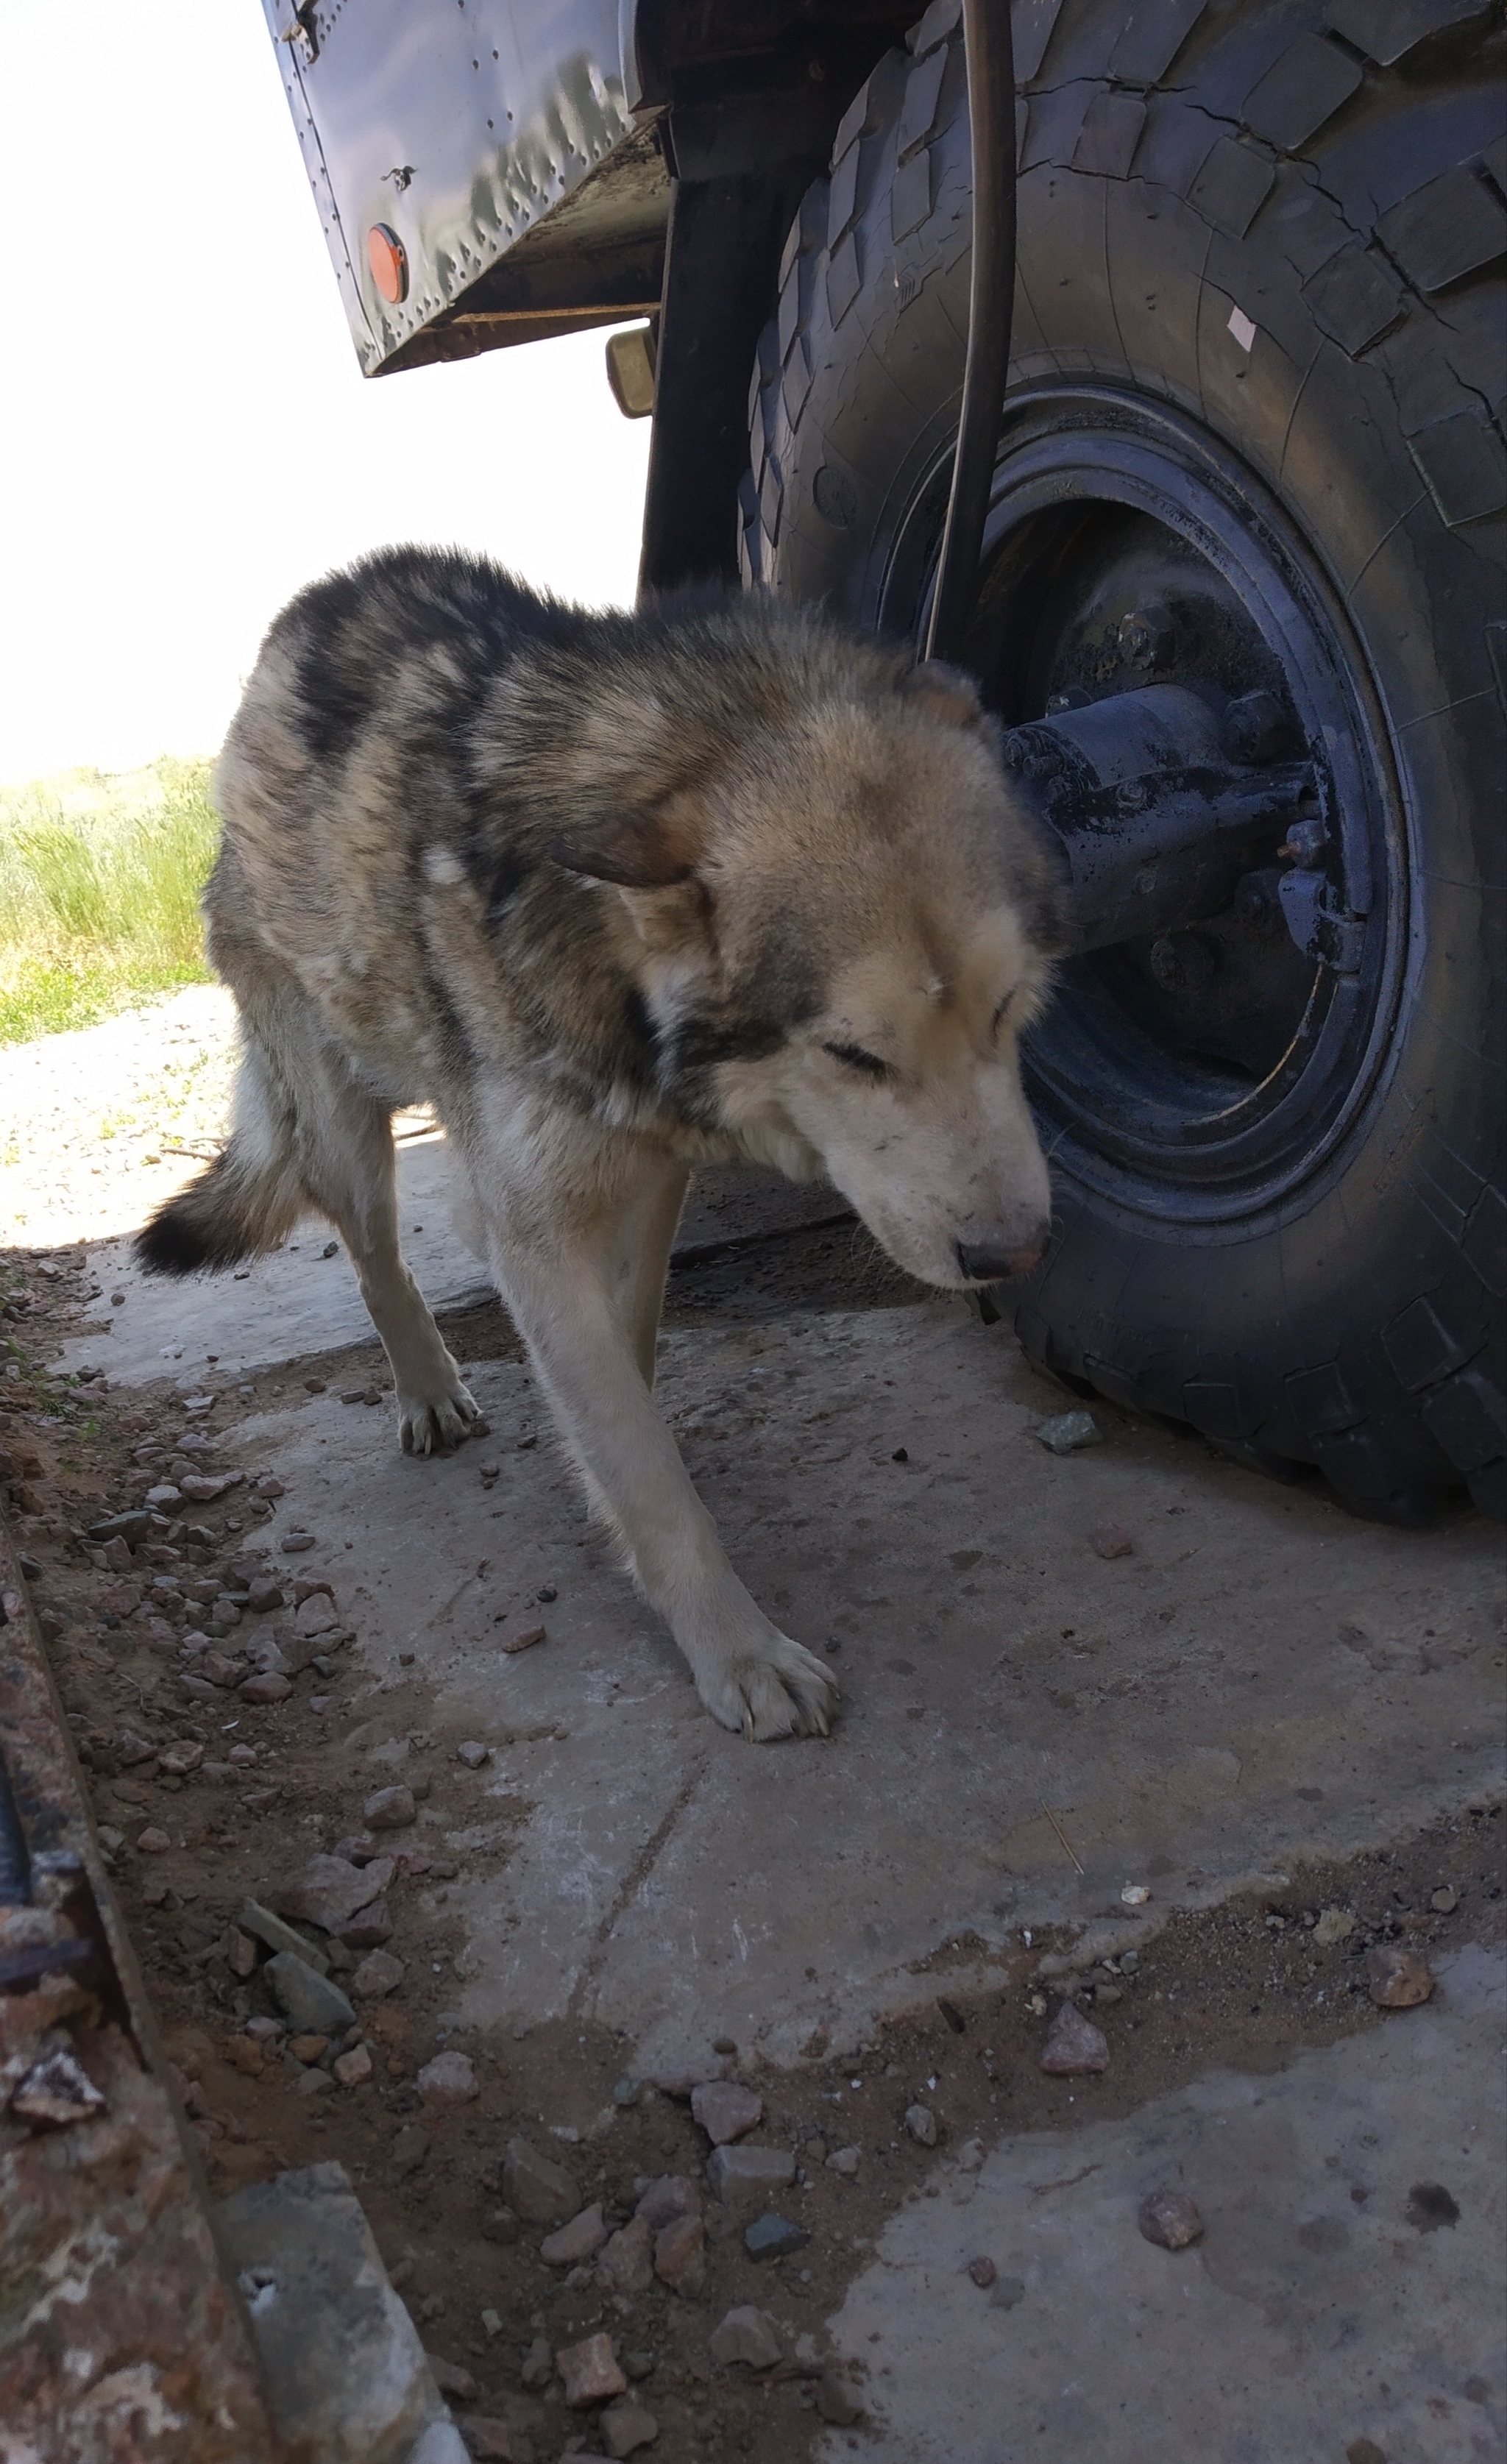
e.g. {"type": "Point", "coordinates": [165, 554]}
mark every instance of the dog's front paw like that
{"type": "Point", "coordinates": [771, 1690]}
{"type": "Point", "coordinates": [433, 1424]}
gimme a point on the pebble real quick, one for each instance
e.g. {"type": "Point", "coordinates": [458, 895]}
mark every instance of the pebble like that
{"type": "Point", "coordinates": [410, 2148]}
{"type": "Point", "coordinates": [921, 2123]}
{"type": "Point", "coordinates": [269, 1929]}
{"type": "Point", "coordinates": [772, 2237]}
{"type": "Point", "coordinates": [1135, 1895]}
{"type": "Point", "coordinates": [1068, 1433]}
{"type": "Point", "coordinates": [451, 2378]}
{"type": "Point", "coordinates": [368, 1928]}
{"type": "Point", "coordinates": [379, 1973]}
{"type": "Point", "coordinates": [580, 2240]}
{"type": "Point", "coordinates": [983, 2272]}
{"type": "Point", "coordinates": [1335, 1924]}
{"type": "Point", "coordinates": [626, 2264]}
{"type": "Point", "coordinates": [526, 1638]}
{"type": "Point", "coordinates": [308, 2049]}
{"type": "Point", "coordinates": [590, 2372]}
{"type": "Point", "coordinates": [130, 1748]}
{"type": "Point", "coordinates": [489, 2440]}
{"type": "Point", "coordinates": [738, 2174]}
{"type": "Point", "coordinates": [1445, 1901]}
{"type": "Point", "coordinates": [1397, 1978]}
{"type": "Point", "coordinates": [628, 2427]}
{"type": "Point", "coordinates": [327, 1891]}
{"type": "Point", "coordinates": [152, 1841]}
{"type": "Point", "coordinates": [266, 1686]}
{"type": "Point", "coordinates": [354, 2067]}
{"type": "Point", "coordinates": [845, 2161]}
{"type": "Point", "coordinates": [315, 1616]}
{"type": "Point", "coordinates": [538, 2364]}
{"type": "Point", "coordinates": [473, 1753]}
{"type": "Point", "coordinates": [747, 2334]}
{"type": "Point", "coordinates": [681, 2255]}
{"type": "Point", "coordinates": [311, 2002]}
{"type": "Point", "coordinates": [296, 1544]}
{"type": "Point", "coordinates": [240, 1952]}
{"type": "Point", "coordinates": [724, 2110]}
{"type": "Point", "coordinates": [837, 2399]}
{"type": "Point", "coordinates": [669, 2196]}
{"type": "Point", "coordinates": [1170, 2219]}
{"type": "Point", "coordinates": [314, 2082]}
{"type": "Point", "coordinates": [449, 2079]}
{"type": "Point", "coordinates": [1073, 2045]}
{"type": "Point", "coordinates": [535, 2187]}
{"type": "Point", "coordinates": [390, 1809]}
{"type": "Point", "coordinates": [1112, 1540]}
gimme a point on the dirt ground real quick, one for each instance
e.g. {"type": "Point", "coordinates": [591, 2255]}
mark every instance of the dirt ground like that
{"type": "Point", "coordinates": [206, 1799]}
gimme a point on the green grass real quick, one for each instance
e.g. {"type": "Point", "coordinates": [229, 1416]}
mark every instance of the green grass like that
{"type": "Point", "coordinates": [100, 883]}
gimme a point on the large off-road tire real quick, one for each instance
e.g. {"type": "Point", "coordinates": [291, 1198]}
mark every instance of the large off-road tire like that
{"type": "Point", "coordinates": [1258, 327]}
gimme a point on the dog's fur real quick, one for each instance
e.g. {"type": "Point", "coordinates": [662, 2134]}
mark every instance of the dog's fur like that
{"type": "Point", "coordinates": [618, 896]}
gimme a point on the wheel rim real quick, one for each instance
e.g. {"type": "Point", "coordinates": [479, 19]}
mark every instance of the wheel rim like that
{"type": "Point", "coordinates": [1215, 1091]}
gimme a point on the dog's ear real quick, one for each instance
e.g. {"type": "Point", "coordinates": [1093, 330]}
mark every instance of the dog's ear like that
{"type": "Point", "coordinates": [651, 847]}
{"type": "Point", "coordinates": [944, 693]}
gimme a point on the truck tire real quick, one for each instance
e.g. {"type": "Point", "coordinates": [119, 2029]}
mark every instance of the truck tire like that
{"type": "Point", "coordinates": [1253, 440]}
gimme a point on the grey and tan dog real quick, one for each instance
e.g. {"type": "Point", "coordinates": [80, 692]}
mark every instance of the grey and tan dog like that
{"type": "Point", "coordinates": [618, 896]}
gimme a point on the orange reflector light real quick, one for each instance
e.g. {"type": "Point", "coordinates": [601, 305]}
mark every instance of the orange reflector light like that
{"type": "Point", "coordinates": [388, 260]}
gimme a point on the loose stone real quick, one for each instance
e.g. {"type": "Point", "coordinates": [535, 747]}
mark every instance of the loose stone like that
{"type": "Point", "coordinates": [1397, 1978]}
{"type": "Point", "coordinates": [538, 2364]}
{"type": "Point", "coordinates": [152, 1841]}
{"type": "Point", "coordinates": [353, 2068]}
{"type": "Point", "coordinates": [379, 1973]}
{"type": "Point", "coordinates": [740, 2174]}
{"type": "Point", "coordinates": [772, 2237]}
{"type": "Point", "coordinates": [265, 1687]}
{"type": "Point", "coordinates": [451, 2378]}
{"type": "Point", "coordinates": [309, 2001]}
{"type": "Point", "coordinates": [724, 2110]}
{"type": "Point", "coordinates": [845, 2161]}
{"type": "Point", "coordinates": [746, 2335]}
{"type": "Point", "coordinates": [626, 2264]}
{"type": "Point", "coordinates": [921, 2123]}
{"type": "Point", "coordinates": [681, 2255]}
{"type": "Point", "coordinates": [1112, 1540]}
{"type": "Point", "coordinates": [983, 2271]}
{"type": "Point", "coordinates": [1073, 2045]}
{"type": "Point", "coordinates": [1335, 1924]}
{"type": "Point", "coordinates": [578, 2240]}
{"type": "Point", "coordinates": [590, 2372]}
{"type": "Point", "coordinates": [389, 1809]}
{"type": "Point", "coordinates": [449, 2079]}
{"type": "Point", "coordinates": [270, 1930]}
{"type": "Point", "coordinates": [367, 1928]}
{"type": "Point", "coordinates": [1445, 1901]}
{"type": "Point", "coordinates": [473, 1753]}
{"type": "Point", "coordinates": [525, 1640]}
{"type": "Point", "coordinates": [669, 2196]}
{"type": "Point", "coordinates": [628, 2427]}
{"type": "Point", "coordinates": [410, 2148]}
{"type": "Point", "coordinates": [837, 2399]}
{"type": "Point", "coordinates": [328, 1891]}
{"type": "Point", "coordinates": [1170, 2219]}
{"type": "Point", "coordinates": [1068, 1433]}
{"type": "Point", "coordinates": [534, 2187]}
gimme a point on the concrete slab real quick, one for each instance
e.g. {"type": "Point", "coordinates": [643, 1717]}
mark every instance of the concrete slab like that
{"type": "Point", "coordinates": [1353, 2212]}
{"type": "Point", "coordinates": [1026, 1726]}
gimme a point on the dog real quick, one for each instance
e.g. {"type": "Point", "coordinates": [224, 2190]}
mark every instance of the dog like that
{"type": "Point", "coordinates": [617, 894]}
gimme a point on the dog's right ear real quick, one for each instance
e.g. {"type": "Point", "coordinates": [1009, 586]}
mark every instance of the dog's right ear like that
{"type": "Point", "coordinates": [654, 847]}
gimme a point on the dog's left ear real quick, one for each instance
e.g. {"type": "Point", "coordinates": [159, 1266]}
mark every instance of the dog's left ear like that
{"type": "Point", "coordinates": [944, 692]}
{"type": "Point", "coordinates": [653, 847]}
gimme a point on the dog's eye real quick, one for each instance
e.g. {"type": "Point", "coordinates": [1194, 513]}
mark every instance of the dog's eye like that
{"type": "Point", "coordinates": [855, 1057]}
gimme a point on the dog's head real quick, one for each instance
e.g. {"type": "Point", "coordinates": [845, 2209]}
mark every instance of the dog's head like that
{"type": "Point", "coordinates": [842, 919]}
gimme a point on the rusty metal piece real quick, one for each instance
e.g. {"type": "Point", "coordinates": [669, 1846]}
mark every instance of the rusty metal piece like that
{"type": "Point", "coordinates": [121, 2332]}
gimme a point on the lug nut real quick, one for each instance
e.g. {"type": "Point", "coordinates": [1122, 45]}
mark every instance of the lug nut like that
{"type": "Point", "coordinates": [1254, 728]}
{"type": "Point", "coordinates": [1181, 962]}
{"type": "Point", "coordinates": [1148, 638]}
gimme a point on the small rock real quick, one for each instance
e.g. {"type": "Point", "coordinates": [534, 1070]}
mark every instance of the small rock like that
{"type": "Point", "coordinates": [921, 2123]}
{"type": "Point", "coordinates": [538, 2364]}
{"type": "Point", "coordinates": [240, 1952]}
{"type": "Point", "coordinates": [1068, 1433]}
{"type": "Point", "coordinates": [152, 1841]}
{"type": "Point", "coordinates": [1135, 1895]}
{"type": "Point", "coordinates": [490, 2441]}
{"type": "Point", "coordinates": [983, 2272]}
{"type": "Point", "coordinates": [409, 2150]}
{"type": "Point", "coordinates": [449, 2079]}
{"type": "Point", "coordinates": [740, 2174]}
{"type": "Point", "coordinates": [311, 2002]}
{"type": "Point", "coordinates": [669, 2196]}
{"type": "Point", "coordinates": [390, 1809]}
{"type": "Point", "coordinates": [628, 2427]}
{"type": "Point", "coordinates": [271, 1930]}
{"type": "Point", "coordinates": [315, 1616]}
{"type": "Point", "coordinates": [772, 2237]}
{"type": "Point", "coordinates": [845, 2161]}
{"type": "Point", "coordinates": [1112, 1540]}
{"type": "Point", "coordinates": [1170, 2219]}
{"type": "Point", "coordinates": [367, 1928]}
{"type": "Point", "coordinates": [1073, 2045]}
{"type": "Point", "coordinates": [1335, 1924]}
{"type": "Point", "coordinates": [379, 1973]}
{"type": "Point", "coordinates": [308, 2049]}
{"type": "Point", "coordinates": [837, 2399]}
{"type": "Point", "coordinates": [354, 2067]}
{"type": "Point", "coordinates": [130, 1750]}
{"type": "Point", "coordinates": [626, 2264]}
{"type": "Point", "coordinates": [534, 2187]}
{"type": "Point", "coordinates": [328, 1891]}
{"type": "Point", "coordinates": [1399, 1979]}
{"type": "Point", "coordinates": [724, 2110]}
{"type": "Point", "coordinates": [590, 2372]}
{"type": "Point", "coordinates": [451, 2379]}
{"type": "Point", "coordinates": [500, 2225]}
{"type": "Point", "coordinates": [266, 1686]}
{"type": "Point", "coordinates": [296, 1544]}
{"type": "Point", "coordinates": [263, 1596]}
{"type": "Point", "coordinates": [681, 2255]}
{"type": "Point", "coordinates": [526, 1638]}
{"type": "Point", "coordinates": [746, 2335]}
{"type": "Point", "coordinates": [577, 2241]}
{"type": "Point", "coordinates": [971, 2156]}
{"type": "Point", "coordinates": [1445, 1901]}
{"type": "Point", "coordinates": [473, 1753]}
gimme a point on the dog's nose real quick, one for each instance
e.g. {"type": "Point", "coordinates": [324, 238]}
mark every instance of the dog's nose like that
{"type": "Point", "coordinates": [994, 1262]}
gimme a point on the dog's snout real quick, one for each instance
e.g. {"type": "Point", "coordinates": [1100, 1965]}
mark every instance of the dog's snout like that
{"type": "Point", "coordinates": [995, 1259]}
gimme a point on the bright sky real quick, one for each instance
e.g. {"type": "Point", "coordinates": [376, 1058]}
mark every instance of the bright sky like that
{"type": "Point", "coordinates": [185, 436]}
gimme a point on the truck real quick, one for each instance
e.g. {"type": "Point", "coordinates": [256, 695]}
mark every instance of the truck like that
{"type": "Point", "coordinates": [1232, 584]}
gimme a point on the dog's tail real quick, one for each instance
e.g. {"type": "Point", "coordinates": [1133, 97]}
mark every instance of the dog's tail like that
{"type": "Point", "coordinates": [252, 1195]}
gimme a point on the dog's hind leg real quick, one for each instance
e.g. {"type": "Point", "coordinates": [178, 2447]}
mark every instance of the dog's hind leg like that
{"type": "Point", "coordinates": [561, 1272]}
